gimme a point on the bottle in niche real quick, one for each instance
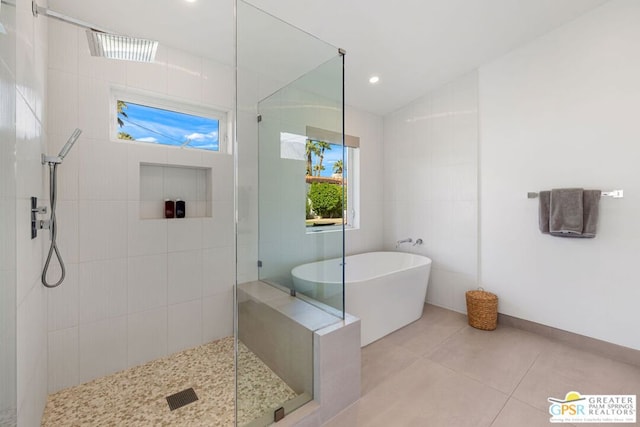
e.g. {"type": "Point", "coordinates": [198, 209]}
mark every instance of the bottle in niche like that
{"type": "Point", "coordinates": [180, 208]}
{"type": "Point", "coordinates": [169, 208]}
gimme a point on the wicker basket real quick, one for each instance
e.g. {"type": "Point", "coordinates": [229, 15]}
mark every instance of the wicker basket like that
{"type": "Point", "coordinates": [482, 309]}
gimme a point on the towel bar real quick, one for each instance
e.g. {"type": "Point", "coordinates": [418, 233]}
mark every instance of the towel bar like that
{"type": "Point", "coordinates": [616, 194]}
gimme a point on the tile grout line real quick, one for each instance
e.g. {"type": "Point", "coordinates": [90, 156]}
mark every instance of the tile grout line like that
{"type": "Point", "coordinates": [510, 396]}
{"type": "Point", "coordinates": [441, 343]}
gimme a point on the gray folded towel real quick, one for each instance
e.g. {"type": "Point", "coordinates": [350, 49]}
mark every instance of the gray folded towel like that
{"type": "Point", "coordinates": [590, 204]}
{"type": "Point", "coordinates": [590, 209]}
{"type": "Point", "coordinates": [544, 198]}
{"type": "Point", "coordinates": [565, 211]}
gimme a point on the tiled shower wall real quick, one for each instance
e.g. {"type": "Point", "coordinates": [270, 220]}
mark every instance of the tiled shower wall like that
{"type": "Point", "coordinates": [136, 289]}
{"type": "Point", "coordinates": [30, 140]}
{"type": "Point", "coordinates": [431, 186]}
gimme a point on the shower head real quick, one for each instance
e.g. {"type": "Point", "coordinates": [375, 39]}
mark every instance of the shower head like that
{"type": "Point", "coordinates": [72, 140]}
{"type": "Point", "coordinates": [54, 160]}
{"type": "Point", "coordinates": [105, 43]}
{"type": "Point", "coordinates": [126, 48]}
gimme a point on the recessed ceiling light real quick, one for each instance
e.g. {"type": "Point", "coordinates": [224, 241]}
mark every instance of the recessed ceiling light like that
{"type": "Point", "coordinates": [190, 1]}
{"type": "Point", "coordinates": [374, 79]}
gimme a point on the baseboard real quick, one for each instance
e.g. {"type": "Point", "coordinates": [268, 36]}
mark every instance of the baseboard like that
{"type": "Point", "coordinates": [604, 348]}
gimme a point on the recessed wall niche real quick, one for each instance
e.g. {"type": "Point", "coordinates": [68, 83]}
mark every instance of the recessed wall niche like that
{"type": "Point", "coordinates": [159, 182]}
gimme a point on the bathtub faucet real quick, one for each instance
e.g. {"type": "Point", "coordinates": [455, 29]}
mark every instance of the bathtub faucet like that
{"type": "Point", "coordinates": [407, 240]}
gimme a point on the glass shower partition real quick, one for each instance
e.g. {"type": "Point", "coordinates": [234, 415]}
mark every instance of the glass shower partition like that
{"type": "Point", "coordinates": [295, 177]}
{"type": "Point", "coordinates": [290, 105]}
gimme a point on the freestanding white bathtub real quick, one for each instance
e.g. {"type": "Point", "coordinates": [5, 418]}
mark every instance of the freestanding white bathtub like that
{"type": "Point", "coordinates": [386, 290]}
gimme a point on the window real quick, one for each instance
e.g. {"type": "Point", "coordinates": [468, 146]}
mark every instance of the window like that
{"type": "Point", "coordinates": [151, 120]}
{"type": "Point", "coordinates": [331, 177]}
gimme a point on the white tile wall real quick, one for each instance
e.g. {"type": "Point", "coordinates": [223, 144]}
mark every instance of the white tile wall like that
{"type": "Point", "coordinates": [182, 183]}
{"type": "Point", "coordinates": [185, 325]}
{"type": "Point", "coordinates": [214, 308]}
{"type": "Point", "coordinates": [215, 232]}
{"type": "Point", "coordinates": [31, 408]}
{"type": "Point", "coordinates": [184, 75]}
{"type": "Point", "coordinates": [28, 252]}
{"type": "Point", "coordinates": [102, 347]}
{"type": "Point", "coordinates": [145, 236]}
{"type": "Point", "coordinates": [151, 183]}
{"type": "Point", "coordinates": [218, 270]}
{"type": "Point", "coordinates": [63, 47]}
{"type": "Point", "coordinates": [102, 171]}
{"type": "Point", "coordinates": [63, 359]}
{"type": "Point", "coordinates": [62, 102]}
{"type": "Point", "coordinates": [67, 226]}
{"type": "Point", "coordinates": [147, 280]}
{"type": "Point", "coordinates": [136, 155]}
{"type": "Point", "coordinates": [102, 289]}
{"type": "Point", "coordinates": [184, 272]}
{"type": "Point", "coordinates": [431, 183]}
{"type": "Point", "coordinates": [62, 301]}
{"type": "Point", "coordinates": [184, 234]}
{"type": "Point", "coordinates": [28, 148]}
{"type": "Point", "coordinates": [93, 107]}
{"type": "Point", "coordinates": [31, 340]}
{"type": "Point", "coordinates": [212, 92]}
{"type": "Point", "coordinates": [146, 336]}
{"type": "Point", "coordinates": [222, 170]}
{"type": "Point", "coordinates": [103, 229]}
{"type": "Point", "coordinates": [114, 72]}
{"type": "Point", "coordinates": [134, 287]}
{"type": "Point", "coordinates": [152, 76]}
{"type": "Point", "coordinates": [26, 99]}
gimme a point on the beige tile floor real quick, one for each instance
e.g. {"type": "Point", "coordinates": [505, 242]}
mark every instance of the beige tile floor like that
{"type": "Point", "coordinates": [438, 371]}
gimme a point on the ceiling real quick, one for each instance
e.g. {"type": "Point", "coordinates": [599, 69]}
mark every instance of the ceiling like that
{"type": "Point", "coordinates": [412, 45]}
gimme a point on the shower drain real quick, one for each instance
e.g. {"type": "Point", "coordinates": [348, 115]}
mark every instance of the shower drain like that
{"type": "Point", "coordinates": [181, 398]}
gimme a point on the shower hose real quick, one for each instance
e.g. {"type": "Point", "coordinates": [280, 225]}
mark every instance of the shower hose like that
{"type": "Point", "coordinates": [52, 228]}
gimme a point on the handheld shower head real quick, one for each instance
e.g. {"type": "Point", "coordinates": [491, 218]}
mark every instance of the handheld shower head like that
{"type": "Point", "coordinates": [72, 139]}
{"type": "Point", "coordinates": [51, 160]}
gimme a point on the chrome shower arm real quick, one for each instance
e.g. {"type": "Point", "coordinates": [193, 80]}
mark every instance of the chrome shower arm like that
{"type": "Point", "coordinates": [41, 10]}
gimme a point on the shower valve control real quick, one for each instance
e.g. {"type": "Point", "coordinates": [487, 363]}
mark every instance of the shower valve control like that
{"type": "Point", "coordinates": [40, 210]}
{"type": "Point", "coordinates": [37, 224]}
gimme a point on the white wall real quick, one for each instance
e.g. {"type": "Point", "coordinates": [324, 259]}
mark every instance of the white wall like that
{"type": "Point", "coordinates": [8, 398]}
{"type": "Point", "coordinates": [136, 289]}
{"type": "Point", "coordinates": [31, 297]}
{"type": "Point", "coordinates": [430, 186]}
{"type": "Point", "coordinates": [563, 112]}
{"type": "Point", "coordinates": [369, 128]}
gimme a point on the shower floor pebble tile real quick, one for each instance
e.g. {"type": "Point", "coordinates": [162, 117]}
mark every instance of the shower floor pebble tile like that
{"type": "Point", "coordinates": [137, 396]}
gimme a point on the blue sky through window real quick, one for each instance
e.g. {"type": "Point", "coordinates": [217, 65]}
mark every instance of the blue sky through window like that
{"type": "Point", "coordinates": [330, 158]}
{"type": "Point", "coordinates": [160, 126]}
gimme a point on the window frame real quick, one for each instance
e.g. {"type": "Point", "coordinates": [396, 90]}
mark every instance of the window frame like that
{"type": "Point", "coordinates": [173, 104]}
